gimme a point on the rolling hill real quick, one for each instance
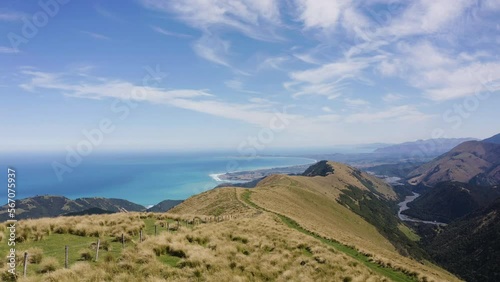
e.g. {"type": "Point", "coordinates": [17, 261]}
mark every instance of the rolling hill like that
{"type": "Point", "coordinates": [344, 206]}
{"type": "Point", "coordinates": [164, 205]}
{"type": "Point", "coordinates": [463, 163]}
{"type": "Point", "coordinates": [51, 206]}
{"type": "Point", "coordinates": [287, 228]}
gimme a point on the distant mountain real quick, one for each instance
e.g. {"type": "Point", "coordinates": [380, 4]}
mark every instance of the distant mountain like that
{"type": "Point", "coordinates": [430, 147]}
{"type": "Point", "coordinates": [52, 206]}
{"type": "Point", "coordinates": [493, 139]}
{"type": "Point", "coordinates": [463, 163]}
{"type": "Point", "coordinates": [448, 201]}
{"type": "Point", "coordinates": [469, 247]}
{"type": "Point", "coordinates": [164, 206]}
{"type": "Point", "coordinates": [88, 212]}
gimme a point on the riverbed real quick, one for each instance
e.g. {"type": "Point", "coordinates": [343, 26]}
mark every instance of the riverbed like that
{"type": "Point", "coordinates": [404, 206]}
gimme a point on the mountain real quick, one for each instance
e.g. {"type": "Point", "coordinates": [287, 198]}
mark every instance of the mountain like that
{"type": "Point", "coordinates": [493, 139]}
{"type": "Point", "coordinates": [287, 228]}
{"type": "Point", "coordinates": [52, 206]}
{"type": "Point", "coordinates": [346, 206]}
{"type": "Point", "coordinates": [462, 164]}
{"type": "Point", "coordinates": [430, 147]}
{"type": "Point", "coordinates": [164, 206]}
{"type": "Point", "coordinates": [470, 246]}
{"type": "Point", "coordinates": [321, 168]}
{"type": "Point", "coordinates": [448, 201]}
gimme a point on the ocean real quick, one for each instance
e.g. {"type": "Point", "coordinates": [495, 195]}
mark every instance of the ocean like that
{"type": "Point", "coordinates": [142, 178]}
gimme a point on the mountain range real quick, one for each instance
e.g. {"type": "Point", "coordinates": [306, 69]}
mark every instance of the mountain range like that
{"type": "Point", "coordinates": [477, 161]}
{"type": "Point", "coordinates": [430, 147]}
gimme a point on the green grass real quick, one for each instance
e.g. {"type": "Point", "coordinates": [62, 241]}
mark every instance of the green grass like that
{"type": "Point", "coordinates": [387, 272]}
{"type": "Point", "coordinates": [53, 245]}
{"type": "Point", "coordinates": [409, 233]}
{"type": "Point", "coordinates": [169, 260]}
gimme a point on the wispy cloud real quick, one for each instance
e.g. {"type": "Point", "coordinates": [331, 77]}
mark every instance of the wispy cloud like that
{"type": "Point", "coordinates": [213, 49]}
{"type": "Point", "coordinates": [255, 19]}
{"type": "Point", "coordinates": [8, 50]}
{"type": "Point", "coordinates": [96, 35]}
{"type": "Point", "coordinates": [257, 112]}
{"type": "Point", "coordinates": [107, 14]}
{"type": "Point", "coordinates": [170, 33]}
{"type": "Point", "coordinates": [356, 102]}
{"type": "Point", "coordinates": [426, 17]}
{"type": "Point", "coordinates": [400, 113]}
{"type": "Point", "coordinates": [11, 16]}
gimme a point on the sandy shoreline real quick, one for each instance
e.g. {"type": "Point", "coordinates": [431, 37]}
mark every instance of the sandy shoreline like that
{"type": "Point", "coordinates": [250, 175]}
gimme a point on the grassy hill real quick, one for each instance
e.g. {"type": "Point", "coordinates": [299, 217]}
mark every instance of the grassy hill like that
{"type": "Point", "coordinates": [52, 206]}
{"type": "Point", "coordinates": [287, 228]}
{"type": "Point", "coordinates": [461, 164]}
{"type": "Point", "coordinates": [164, 206]}
{"type": "Point", "coordinates": [315, 204]}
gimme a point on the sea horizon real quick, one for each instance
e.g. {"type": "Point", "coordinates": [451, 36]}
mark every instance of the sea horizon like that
{"type": "Point", "coordinates": [141, 178]}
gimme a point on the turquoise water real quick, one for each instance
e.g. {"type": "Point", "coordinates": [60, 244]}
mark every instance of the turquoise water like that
{"type": "Point", "coordinates": [144, 179]}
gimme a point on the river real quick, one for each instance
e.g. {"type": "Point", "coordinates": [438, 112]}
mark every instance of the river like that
{"type": "Point", "coordinates": [404, 206]}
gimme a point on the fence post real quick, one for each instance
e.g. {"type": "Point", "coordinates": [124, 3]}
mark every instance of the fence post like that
{"type": "Point", "coordinates": [140, 236]}
{"type": "Point", "coordinates": [97, 249]}
{"type": "Point", "coordinates": [66, 256]}
{"type": "Point", "coordinates": [168, 227]}
{"type": "Point", "coordinates": [155, 229]}
{"type": "Point", "coordinates": [25, 263]}
{"type": "Point", "coordinates": [123, 241]}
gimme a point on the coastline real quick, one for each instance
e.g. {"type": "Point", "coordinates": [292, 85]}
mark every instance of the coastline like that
{"type": "Point", "coordinates": [254, 174]}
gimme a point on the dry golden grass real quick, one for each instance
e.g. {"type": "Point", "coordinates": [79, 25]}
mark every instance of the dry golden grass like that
{"type": "Point", "coordinates": [257, 248]}
{"type": "Point", "coordinates": [311, 202]}
{"type": "Point", "coordinates": [215, 202]}
{"type": "Point", "coordinates": [249, 245]}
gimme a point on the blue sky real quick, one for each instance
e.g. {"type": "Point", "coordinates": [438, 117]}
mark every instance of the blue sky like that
{"type": "Point", "coordinates": [204, 74]}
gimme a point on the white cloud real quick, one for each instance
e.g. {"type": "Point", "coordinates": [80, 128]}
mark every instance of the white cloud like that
{"type": "Point", "coordinates": [330, 71]}
{"type": "Point", "coordinates": [442, 76]}
{"type": "Point", "coordinates": [213, 49]}
{"type": "Point", "coordinates": [255, 19]}
{"type": "Point", "coordinates": [247, 17]}
{"type": "Point", "coordinates": [258, 112]}
{"type": "Point", "coordinates": [321, 14]}
{"type": "Point", "coordinates": [426, 17]}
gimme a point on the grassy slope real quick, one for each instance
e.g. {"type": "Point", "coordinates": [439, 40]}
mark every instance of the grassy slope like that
{"type": "Point", "coordinates": [255, 248]}
{"type": "Point", "coordinates": [312, 202]}
{"type": "Point", "coordinates": [253, 245]}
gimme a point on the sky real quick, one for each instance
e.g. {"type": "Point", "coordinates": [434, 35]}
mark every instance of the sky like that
{"type": "Point", "coordinates": [245, 75]}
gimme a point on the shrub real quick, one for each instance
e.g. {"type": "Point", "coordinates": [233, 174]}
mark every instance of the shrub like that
{"type": "Point", "coordinates": [85, 255]}
{"type": "Point", "coordinates": [35, 255]}
{"type": "Point", "coordinates": [48, 265]}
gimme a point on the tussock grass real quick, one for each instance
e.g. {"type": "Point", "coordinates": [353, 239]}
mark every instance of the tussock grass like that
{"type": "Point", "coordinates": [300, 234]}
